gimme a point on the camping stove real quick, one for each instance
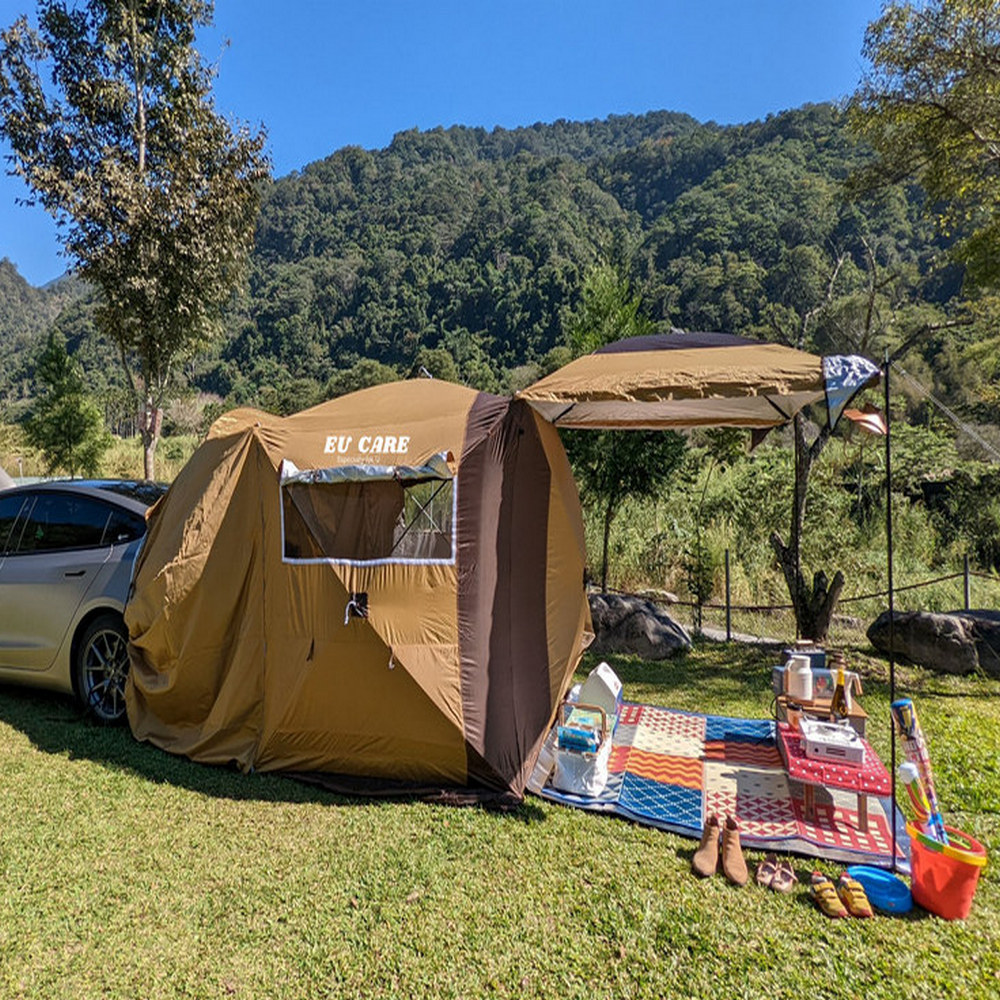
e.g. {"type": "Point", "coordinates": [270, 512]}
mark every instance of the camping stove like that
{"type": "Point", "coordinates": [831, 742]}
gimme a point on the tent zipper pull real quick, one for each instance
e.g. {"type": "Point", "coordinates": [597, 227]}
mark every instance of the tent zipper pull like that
{"type": "Point", "coordinates": [357, 605]}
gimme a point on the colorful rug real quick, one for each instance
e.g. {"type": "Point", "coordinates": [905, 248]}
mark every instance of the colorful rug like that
{"type": "Point", "coordinates": [671, 769]}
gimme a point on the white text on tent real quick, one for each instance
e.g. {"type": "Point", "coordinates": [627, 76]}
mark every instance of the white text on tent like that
{"type": "Point", "coordinates": [368, 444]}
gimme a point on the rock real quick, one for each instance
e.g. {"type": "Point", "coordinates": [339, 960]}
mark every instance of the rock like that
{"type": "Point", "coordinates": [956, 643]}
{"type": "Point", "coordinates": [659, 596]}
{"type": "Point", "coordinates": [624, 624]}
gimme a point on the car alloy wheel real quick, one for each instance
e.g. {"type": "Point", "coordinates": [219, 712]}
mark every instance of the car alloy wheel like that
{"type": "Point", "coordinates": [102, 667]}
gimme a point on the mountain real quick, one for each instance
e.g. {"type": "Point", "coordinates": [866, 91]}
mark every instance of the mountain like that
{"type": "Point", "coordinates": [26, 313]}
{"type": "Point", "coordinates": [465, 249]}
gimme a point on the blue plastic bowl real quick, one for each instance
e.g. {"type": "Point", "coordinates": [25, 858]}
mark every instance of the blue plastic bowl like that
{"type": "Point", "coordinates": [885, 891]}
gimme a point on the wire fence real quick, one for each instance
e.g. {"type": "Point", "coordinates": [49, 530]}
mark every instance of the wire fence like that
{"type": "Point", "coordinates": [968, 589]}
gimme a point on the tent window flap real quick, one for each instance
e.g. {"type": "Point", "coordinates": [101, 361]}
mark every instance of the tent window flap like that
{"type": "Point", "coordinates": [368, 514]}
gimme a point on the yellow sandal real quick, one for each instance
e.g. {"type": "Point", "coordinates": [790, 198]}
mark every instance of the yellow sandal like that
{"type": "Point", "coordinates": [824, 895]}
{"type": "Point", "coordinates": [852, 895]}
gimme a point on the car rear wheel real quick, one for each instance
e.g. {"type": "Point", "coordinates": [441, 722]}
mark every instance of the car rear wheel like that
{"type": "Point", "coordinates": [101, 668]}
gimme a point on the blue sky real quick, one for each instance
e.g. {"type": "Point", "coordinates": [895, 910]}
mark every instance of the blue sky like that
{"type": "Point", "coordinates": [322, 74]}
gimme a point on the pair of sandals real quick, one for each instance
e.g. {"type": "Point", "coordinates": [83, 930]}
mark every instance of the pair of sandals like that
{"type": "Point", "coordinates": [845, 899]}
{"type": "Point", "coordinates": [776, 875]}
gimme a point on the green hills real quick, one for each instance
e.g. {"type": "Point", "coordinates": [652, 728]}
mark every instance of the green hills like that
{"type": "Point", "coordinates": [463, 250]}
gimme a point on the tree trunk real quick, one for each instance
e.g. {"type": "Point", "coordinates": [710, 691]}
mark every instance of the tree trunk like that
{"type": "Point", "coordinates": [609, 513]}
{"type": "Point", "coordinates": [152, 424]}
{"type": "Point", "coordinates": [813, 607]}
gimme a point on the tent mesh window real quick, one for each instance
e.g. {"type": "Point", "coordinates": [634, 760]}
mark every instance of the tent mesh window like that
{"type": "Point", "coordinates": [367, 520]}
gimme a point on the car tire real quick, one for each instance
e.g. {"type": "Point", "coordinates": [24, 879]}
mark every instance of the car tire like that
{"type": "Point", "coordinates": [101, 667]}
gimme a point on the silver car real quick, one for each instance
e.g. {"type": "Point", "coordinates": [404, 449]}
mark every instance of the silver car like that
{"type": "Point", "coordinates": [67, 550]}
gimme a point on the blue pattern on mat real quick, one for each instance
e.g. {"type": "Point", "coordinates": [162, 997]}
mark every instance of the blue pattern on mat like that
{"type": "Point", "coordinates": [679, 806]}
{"type": "Point", "coordinates": [720, 728]}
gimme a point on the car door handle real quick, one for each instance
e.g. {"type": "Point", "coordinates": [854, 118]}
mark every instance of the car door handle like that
{"type": "Point", "coordinates": [76, 572]}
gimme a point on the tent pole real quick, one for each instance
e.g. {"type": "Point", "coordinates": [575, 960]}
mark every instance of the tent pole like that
{"type": "Point", "coordinates": [892, 610]}
{"type": "Point", "coordinates": [795, 526]}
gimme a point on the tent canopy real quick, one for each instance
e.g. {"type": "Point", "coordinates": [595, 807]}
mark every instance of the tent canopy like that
{"type": "Point", "coordinates": [678, 380]}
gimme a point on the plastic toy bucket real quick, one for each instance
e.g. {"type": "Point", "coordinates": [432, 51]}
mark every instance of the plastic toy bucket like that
{"type": "Point", "coordinates": [944, 876]}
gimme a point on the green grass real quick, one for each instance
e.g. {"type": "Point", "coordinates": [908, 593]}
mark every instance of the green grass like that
{"type": "Point", "coordinates": [128, 873]}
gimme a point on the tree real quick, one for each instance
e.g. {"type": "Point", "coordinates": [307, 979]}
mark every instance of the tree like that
{"type": "Point", "coordinates": [608, 310]}
{"type": "Point", "coordinates": [930, 107]}
{"type": "Point", "coordinates": [613, 465]}
{"type": "Point", "coordinates": [66, 424]}
{"type": "Point", "coordinates": [361, 375]}
{"type": "Point", "coordinates": [155, 194]}
{"type": "Point", "coordinates": [436, 362]}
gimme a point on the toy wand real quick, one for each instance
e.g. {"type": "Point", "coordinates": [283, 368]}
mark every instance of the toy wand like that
{"type": "Point", "coordinates": [915, 747]}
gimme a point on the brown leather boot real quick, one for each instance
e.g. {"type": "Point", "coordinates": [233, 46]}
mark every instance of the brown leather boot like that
{"type": "Point", "coordinates": [706, 858]}
{"type": "Point", "coordinates": [733, 863]}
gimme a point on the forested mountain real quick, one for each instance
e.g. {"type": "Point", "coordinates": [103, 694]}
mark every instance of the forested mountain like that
{"type": "Point", "coordinates": [25, 314]}
{"type": "Point", "coordinates": [463, 250]}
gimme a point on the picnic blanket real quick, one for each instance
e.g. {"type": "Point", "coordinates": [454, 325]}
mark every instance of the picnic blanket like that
{"type": "Point", "coordinates": [671, 769]}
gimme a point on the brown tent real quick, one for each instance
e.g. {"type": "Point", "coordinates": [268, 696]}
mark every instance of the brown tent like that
{"type": "Point", "coordinates": [695, 380]}
{"type": "Point", "coordinates": [387, 585]}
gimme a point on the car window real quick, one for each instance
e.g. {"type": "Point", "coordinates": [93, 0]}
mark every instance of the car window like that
{"type": "Point", "coordinates": [61, 521]}
{"type": "Point", "coordinates": [10, 507]}
{"type": "Point", "coordinates": [145, 492]}
{"type": "Point", "coordinates": [124, 526]}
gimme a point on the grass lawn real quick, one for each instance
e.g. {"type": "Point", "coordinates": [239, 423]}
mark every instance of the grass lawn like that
{"type": "Point", "coordinates": [128, 873]}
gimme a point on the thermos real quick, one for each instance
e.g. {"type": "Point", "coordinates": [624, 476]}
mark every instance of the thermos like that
{"type": "Point", "coordinates": [799, 678]}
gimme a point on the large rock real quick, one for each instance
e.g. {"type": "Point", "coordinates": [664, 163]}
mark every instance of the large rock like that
{"type": "Point", "coordinates": [956, 643]}
{"type": "Point", "coordinates": [634, 625]}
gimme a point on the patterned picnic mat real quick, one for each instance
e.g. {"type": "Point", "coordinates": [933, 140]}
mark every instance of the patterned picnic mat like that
{"type": "Point", "coordinates": [671, 769]}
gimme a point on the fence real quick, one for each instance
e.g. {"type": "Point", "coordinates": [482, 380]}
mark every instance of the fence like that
{"type": "Point", "coordinates": [777, 621]}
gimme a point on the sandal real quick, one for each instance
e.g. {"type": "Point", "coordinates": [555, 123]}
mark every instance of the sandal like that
{"type": "Point", "coordinates": [824, 895]}
{"type": "Point", "coordinates": [766, 871]}
{"type": "Point", "coordinates": [784, 878]}
{"type": "Point", "coordinates": [852, 894]}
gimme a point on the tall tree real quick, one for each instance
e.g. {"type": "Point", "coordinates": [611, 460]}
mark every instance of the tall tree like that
{"type": "Point", "coordinates": [930, 107]}
{"type": "Point", "coordinates": [154, 192]}
{"type": "Point", "coordinates": [66, 423]}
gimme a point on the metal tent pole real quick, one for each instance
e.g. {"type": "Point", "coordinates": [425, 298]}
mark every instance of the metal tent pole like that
{"type": "Point", "coordinates": [795, 528]}
{"type": "Point", "coordinates": [892, 610]}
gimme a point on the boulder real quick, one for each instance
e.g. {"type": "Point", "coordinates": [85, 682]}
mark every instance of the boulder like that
{"type": "Point", "coordinates": [959, 642]}
{"type": "Point", "coordinates": [626, 624]}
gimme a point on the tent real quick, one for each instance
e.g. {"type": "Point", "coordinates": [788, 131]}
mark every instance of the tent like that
{"type": "Point", "coordinates": [695, 380]}
{"type": "Point", "coordinates": [387, 585]}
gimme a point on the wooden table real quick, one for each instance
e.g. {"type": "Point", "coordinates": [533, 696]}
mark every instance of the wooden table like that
{"type": "Point", "coordinates": [871, 778]}
{"type": "Point", "coordinates": [819, 708]}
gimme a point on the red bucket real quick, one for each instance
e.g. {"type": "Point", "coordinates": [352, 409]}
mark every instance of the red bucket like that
{"type": "Point", "coordinates": [944, 877]}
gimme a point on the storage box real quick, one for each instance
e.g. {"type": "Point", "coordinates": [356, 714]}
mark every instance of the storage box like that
{"type": "Point", "coordinates": [816, 654]}
{"type": "Point", "coordinates": [824, 681]}
{"type": "Point", "coordinates": [828, 741]}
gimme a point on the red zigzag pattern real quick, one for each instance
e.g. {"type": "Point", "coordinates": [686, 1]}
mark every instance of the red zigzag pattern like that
{"type": "Point", "coordinates": [683, 771]}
